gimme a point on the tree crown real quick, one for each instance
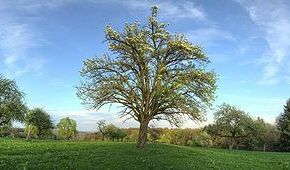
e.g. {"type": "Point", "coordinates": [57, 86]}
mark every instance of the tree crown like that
{"type": "Point", "coordinates": [152, 73]}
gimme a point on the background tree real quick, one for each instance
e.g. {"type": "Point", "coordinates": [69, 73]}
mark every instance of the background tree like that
{"type": "Point", "coordinates": [213, 131]}
{"type": "Point", "coordinates": [5, 129]}
{"type": "Point", "coordinates": [12, 105]}
{"type": "Point", "coordinates": [283, 125]}
{"type": "Point", "coordinates": [101, 125]}
{"type": "Point", "coordinates": [265, 133]}
{"type": "Point", "coordinates": [41, 119]}
{"type": "Point", "coordinates": [154, 134]}
{"type": "Point", "coordinates": [232, 123]}
{"type": "Point", "coordinates": [121, 134]}
{"type": "Point", "coordinates": [153, 74]}
{"type": "Point", "coordinates": [31, 131]}
{"type": "Point", "coordinates": [112, 131]}
{"type": "Point", "coordinates": [67, 128]}
{"type": "Point", "coordinates": [132, 134]}
{"type": "Point", "coordinates": [201, 139]}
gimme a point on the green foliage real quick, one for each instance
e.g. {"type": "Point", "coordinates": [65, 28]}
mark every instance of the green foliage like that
{"type": "Point", "coordinates": [121, 134]}
{"type": "Point", "coordinates": [12, 105]}
{"type": "Point", "coordinates": [153, 74]}
{"type": "Point", "coordinates": [5, 130]}
{"type": "Point", "coordinates": [233, 127]}
{"type": "Point", "coordinates": [232, 123]}
{"type": "Point", "coordinates": [31, 131]}
{"type": "Point", "coordinates": [115, 133]}
{"type": "Point", "coordinates": [283, 125]}
{"type": "Point", "coordinates": [101, 125]}
{"type": "Point", "coordinates": [202, 139]}
{"type": "Point", "coordinates": [154, 134]}
{"type": "Point", "coordinates": [41, 120]}
{"type": "Point", "coordinates": [112, 131]}
{"type": "Point", "coordinates": [265, 134]}
{"type": "Point", "coordinates": [20, 154]}
{"type": "Point", "coordinates": [132, 134]}
{"type": "Point", "coordinates": [67, 128]}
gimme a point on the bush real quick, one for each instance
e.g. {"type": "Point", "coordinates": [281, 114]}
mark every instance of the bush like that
{"type": "Point", "coordinates": [201, 139]}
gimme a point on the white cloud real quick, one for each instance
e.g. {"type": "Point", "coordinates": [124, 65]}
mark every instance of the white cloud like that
{"type": "Point", "coordinates": [16, 41]}
{"type": "Point", "coordinates": [273, 19]}
{"type": "Point", "coordinates": [87, 119]}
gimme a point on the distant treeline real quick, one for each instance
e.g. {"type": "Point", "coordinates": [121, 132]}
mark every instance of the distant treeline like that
{"type": "Point", "coordinates": [232, 127]}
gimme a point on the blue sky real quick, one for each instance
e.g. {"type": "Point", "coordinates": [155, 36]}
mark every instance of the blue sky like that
{"type": "Point", "coordinates": [43, 45]}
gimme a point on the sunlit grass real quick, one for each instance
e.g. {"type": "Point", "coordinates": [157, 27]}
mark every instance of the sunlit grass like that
{"type": "Point", "coordinates": [21, 154]}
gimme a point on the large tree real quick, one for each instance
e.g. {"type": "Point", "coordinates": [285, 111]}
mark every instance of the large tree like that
{"type": "Point", "coordinates": [152, 73]}
{"type": "Point", "coordinates": [67, 128]}
{"type": "Point", "coordinates": [40, 119]}
{"type": "Point", "coordinates": [12, 105]}
{"type": "Point", "coordinates": [283, 125]}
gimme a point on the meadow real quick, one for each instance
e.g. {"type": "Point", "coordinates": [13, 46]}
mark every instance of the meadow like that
{"type": "Point", "coordinates": [46, 154]}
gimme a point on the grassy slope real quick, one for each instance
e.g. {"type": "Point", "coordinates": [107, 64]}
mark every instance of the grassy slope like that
{"type": "Point", "coordinates": [17, 154]}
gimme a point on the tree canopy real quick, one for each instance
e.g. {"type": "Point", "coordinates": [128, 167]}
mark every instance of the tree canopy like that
{"type": "Point", "coordinates": [102, 128]}
{"type": "Point", "coordinates": [67, 128]}
{"type": "Point", "coordinates": [40, 119]}
{"type": "Point", "coordinates": [12, 105]}
{"type": "Point", "coordinates": [232, 123]}
{"type": "Point", "coordinates": [152, 73]}
{"type": "Point", "coordinates": [283, 125]}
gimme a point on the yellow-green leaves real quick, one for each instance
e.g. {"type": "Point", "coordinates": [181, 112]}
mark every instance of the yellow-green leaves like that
{"type": "Point", "coordinates": [151, 72]}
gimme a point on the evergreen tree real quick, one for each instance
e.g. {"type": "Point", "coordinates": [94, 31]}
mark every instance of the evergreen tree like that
{"type": "Point", "coordinates": [283, 125]}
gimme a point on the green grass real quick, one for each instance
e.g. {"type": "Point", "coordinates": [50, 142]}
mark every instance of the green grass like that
{"type": "Point", "coordinates": [20, 154]}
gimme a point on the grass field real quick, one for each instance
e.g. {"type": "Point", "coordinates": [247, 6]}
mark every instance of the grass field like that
{"type": "Point", "coordinates": [20, 154]}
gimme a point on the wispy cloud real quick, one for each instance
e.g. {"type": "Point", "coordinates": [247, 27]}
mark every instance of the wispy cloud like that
{"type": "Point", "coordinates": [273, 19]}
{"type": "Point", "coordinates": [169, 9]}
{"type": "Point", "coordinates": [209, 36]}
{"type": "Point", "coordinates": [16, 40]}
{"type": "Point", "coordinates": [33, 5]}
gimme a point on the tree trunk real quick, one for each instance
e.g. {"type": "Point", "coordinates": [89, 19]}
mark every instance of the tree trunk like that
{"type": "Point", "coordinates": [264, 147]}
{"type": "Point", "coordinates": [142, 136]}
{"type": "Point", "coordinates": [28, 133]}
{"type": "Point", "coordinates": [231, 144]}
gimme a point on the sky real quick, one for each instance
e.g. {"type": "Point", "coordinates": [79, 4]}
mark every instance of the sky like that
{"type": "Point", "coordinates": [43, 45]}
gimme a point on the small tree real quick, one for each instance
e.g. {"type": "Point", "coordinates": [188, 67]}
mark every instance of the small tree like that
{"type": "Point", "coordinates": [112, 131]}
{"type": "Point", "coordinates": [153, 74]}
{"type": "Point", "coordinates": [31, 130]}
{"type": "Point", "coordinates": [12, 105]}
{"type": "Point", "coordinates": [232, 123]}
{"type": "Point", "coordinates": [101, 125]}
{"type": "Point", "coordinates": [265, 133]}
{"type": "Point", "coordinates": [121, 134]}
{"type": "Point", "coordinates": [41, 119]}
{"type": "Point", "coordinates": [283, 125]}
{"type": "Point", "coordinates": [67, 128]}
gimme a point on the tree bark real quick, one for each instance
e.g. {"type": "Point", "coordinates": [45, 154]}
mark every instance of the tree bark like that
{"type": "Point", "coordinates": [28, 133]}
{"type": "Point", "coordinates": [231, 144]}
{"type": "Point", "coordinates": [264, 147]}
{"type": "Point", "coordinates": [142, 136]}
